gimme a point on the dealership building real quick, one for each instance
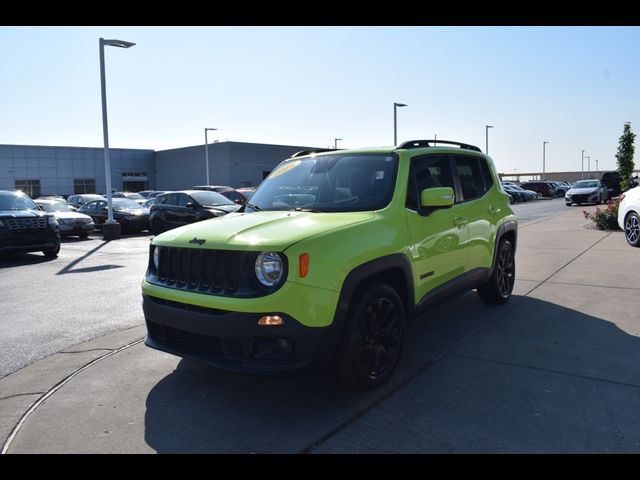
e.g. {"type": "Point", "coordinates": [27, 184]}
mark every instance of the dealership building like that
{"type": "Point", "coordinates": [42, 170]}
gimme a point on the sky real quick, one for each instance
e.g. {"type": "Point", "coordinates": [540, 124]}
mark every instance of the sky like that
{"type": "Point", "coordinates": [573, 87]}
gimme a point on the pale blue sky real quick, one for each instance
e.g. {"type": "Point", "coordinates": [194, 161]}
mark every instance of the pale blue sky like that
{"type": "Point", "coordinates": [571, 86]}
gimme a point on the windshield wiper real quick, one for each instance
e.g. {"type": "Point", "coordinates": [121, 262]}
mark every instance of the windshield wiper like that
{"type": "Point", "coordinates": [255, 207]}
{"type": "Point", "coordinates": [302, 209]}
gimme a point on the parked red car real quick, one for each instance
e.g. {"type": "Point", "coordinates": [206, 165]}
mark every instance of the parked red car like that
{"type": "Point", "coordinates": [543, 188]}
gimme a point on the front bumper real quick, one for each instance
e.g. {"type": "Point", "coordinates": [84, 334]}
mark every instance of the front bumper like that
{"type": "Point", "coordinates": [76, 229]}
{"type": "Point", "coordinates": [29, 240]}
{"type": "Point", "coordinates": [582, 198]}
{"type": "Point", "coordinates": [233, 340]}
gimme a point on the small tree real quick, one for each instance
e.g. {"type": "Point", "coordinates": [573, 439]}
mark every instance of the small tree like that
{"type": "Point", "coordinates": [625, 157]}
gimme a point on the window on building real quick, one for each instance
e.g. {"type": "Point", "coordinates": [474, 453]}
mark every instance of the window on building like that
{"type": "Point", "coordinates": [30, 187]}
{"type": "Point", "coordinates": [84, 185]}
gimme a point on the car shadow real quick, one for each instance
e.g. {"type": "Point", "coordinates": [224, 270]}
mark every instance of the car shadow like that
{"type": "Point", "coordinates": [197, 408]}
{"type": "Point", "coordinates": [20, 259]}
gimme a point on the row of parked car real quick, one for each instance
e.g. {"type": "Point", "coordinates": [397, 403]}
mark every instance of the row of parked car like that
{"type": "Point", "coordinates": [28, 225]}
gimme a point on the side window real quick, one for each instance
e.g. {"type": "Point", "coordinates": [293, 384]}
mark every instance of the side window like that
{"type": "Point", "coordinates": [161, 199]}
{"type": "Point", "coordinates": [183, 200]}
{"type": "Point", "coordinates": [486, 174]}
{"type": "Point", "coordinates": [172, 199]}
{"type": "Point", "coordinates": [470, 177]}
{"type": "Point", "coordinates": [427, 172]}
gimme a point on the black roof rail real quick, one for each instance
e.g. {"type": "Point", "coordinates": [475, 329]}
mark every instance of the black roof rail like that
{"type": "Point", "coordinates": [432, 143]}
{"type": "Point", "coordinates": [302, 153]}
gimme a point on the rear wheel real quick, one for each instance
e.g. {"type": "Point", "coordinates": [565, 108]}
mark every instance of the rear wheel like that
{"type": "Point", "coordinates": [500, 285]}
{"type": "Point", "coordinates": [632, 229]}
{"type": "Point", "coordinates": [373, 338]}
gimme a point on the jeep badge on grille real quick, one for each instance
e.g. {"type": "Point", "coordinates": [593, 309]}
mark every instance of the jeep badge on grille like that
{"type": "Point", "coordinates": [197, 241]}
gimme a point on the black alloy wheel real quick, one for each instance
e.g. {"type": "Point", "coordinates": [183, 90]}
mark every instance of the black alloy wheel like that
{"type": "Point", "coordinates": [500, 285]}
{"type": "Point", "coordinates": [374, 337]}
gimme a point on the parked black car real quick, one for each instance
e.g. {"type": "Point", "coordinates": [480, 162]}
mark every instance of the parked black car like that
{"type": "Point", "coordinates": [175, 209]}
{"type": "Point", "coordinates": [25, 228]}
{"type": "Point", "coordinates": [79, 200]}
{"type": "Point", "coordinates": [129, 214]}
{"type": "Point", "coordinates": [612, 181]}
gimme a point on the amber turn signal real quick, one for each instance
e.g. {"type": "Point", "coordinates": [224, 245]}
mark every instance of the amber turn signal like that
{"type": "Point", "coordinates": [304, 265]}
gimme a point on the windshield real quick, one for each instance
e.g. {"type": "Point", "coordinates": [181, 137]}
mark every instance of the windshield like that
{"type": "Point", "coordinates": [16, 201]}
{"type": "Point", "coordinates": [124, 204]}
{"type": "Point", "coordinates": [209, 199]}
{"type": "Point", "coordinates": [329, 183]}
{"type": "Point", "coordinates": [134, 196]}
{"type": "Point", "coordinates": [586, 184]}
{"type": "Point", "coordinates": [54, 207]}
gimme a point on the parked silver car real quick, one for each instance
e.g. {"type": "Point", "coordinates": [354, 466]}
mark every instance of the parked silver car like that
{"type": "Point", "coordinates": [69, 222]}
{"type": "Point", "coordinates": [586, 191]}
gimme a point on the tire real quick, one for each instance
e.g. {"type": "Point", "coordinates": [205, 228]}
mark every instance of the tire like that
{"type": "Point", "coordinates": [632, 229]}
{"type": "Point", "coordinates": [568, 204]}
{"type": "Point", "coordinates": [372, 342]}
{"type": "Point", "coordinates": [498, 288]}
{"type": "Point", "coordinates": [51, 252]}
{"type": "Point", "coordinates": [84, 235]}
{"type": "Point", "coordinates": [157, 226]}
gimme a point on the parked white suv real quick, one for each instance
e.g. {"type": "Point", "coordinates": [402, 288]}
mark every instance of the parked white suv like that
{"type": "Point", "coordinates": [629, 215]}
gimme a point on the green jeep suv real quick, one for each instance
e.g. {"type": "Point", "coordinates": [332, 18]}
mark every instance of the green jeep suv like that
{"type": "Point", "coordinates": [334, 253]}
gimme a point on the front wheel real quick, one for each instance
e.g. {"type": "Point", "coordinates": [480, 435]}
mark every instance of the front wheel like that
{"type": "Point", "coordinates": [373, 338]}
{"type": "Point", "coordinates": [500, 285]}
{"type": "Point", "coordinates": [632, 229]}
{"type": "Point", "coordinates": [51, 252]}
{"type": "Point", "coordinates": [568, 204]}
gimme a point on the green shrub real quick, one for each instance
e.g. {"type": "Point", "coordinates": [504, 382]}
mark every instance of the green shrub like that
{"type": "Point", "coordinates": [605, 218]}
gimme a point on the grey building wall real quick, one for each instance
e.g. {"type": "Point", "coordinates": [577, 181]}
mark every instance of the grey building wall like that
{"type": "Point", "coordinates": [230, 163]}
{"type": "Point", "coordinates": [57, 167]}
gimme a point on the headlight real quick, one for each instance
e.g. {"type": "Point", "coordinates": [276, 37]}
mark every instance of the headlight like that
{"type": "Point", "coordinates": [53, 221]}
{"type": "Point", "coordinates": [269, 268]}
{"type": "Point", "coordinates": [156, 258]}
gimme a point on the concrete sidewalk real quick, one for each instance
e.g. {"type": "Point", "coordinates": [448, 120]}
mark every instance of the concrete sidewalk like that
{"type": "Point", "coordinates": [557, 369]}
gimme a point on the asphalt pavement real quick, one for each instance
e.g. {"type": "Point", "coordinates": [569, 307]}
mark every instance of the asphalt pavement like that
{"type": "Point", "coordinates": [556, 369]}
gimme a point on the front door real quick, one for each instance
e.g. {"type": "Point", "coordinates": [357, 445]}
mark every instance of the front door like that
{"type": "Point", "coordinates": [439, 237]}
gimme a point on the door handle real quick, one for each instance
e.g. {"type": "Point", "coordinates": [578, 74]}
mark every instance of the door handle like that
{"type": "Point", "coordinates": [494, 210]}
{"type": "Point", "coordinates": [460, 222]}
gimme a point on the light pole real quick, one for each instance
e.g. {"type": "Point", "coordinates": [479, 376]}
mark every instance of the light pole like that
{"type": "Point", "coordinates": [588, 165]}
{"type": "Point", "coordinates": [395, 121]}
{"type": "Point", "coordinates": [111, 228]}
{"type": "Point", "coordinates": [335, 143]}
{"type": "Point", "coordinates": [597, 171]}
{"type": "Point", "coordinates": [544, 144]}
{"type": "Point", "coordinates": [486, 131]}
{"type": "Point", "coordinates": [206, 152]}
{"type": "Point", "coordinates": [582, 174]}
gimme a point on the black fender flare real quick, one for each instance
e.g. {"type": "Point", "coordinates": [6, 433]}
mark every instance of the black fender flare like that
{"type": "Point", "coordinates": [369, 270]}
{"type": "Point", "coordinates": [508, 226]}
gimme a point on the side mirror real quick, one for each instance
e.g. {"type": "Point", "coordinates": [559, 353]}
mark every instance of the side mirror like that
{"type": "Point", "coordinates": [190, 205]}
{"type": "Point", "coordinates": [439, 197]}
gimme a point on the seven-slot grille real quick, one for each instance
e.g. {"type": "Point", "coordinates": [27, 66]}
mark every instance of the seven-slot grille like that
{"type": "Point", "coordinates": [201, 270]}
{"type": "Point", "coordinates": [26, 223]}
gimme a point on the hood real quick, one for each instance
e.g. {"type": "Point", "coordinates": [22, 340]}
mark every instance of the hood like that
{"type": "Point", "coordinates": [21, 214]}
{"type": "Point", "coordinates": [69, 215]}
{"type": "Point", "coordinates": [582, 191]}
{"type": "Point", "coordinates": [225, 208]}
{"type": "Point", "coordinates": [258, 230]}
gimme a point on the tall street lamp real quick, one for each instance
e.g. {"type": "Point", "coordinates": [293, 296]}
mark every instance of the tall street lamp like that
{"type": "Point", "coordinates": [111, 228]}
{"type": "Point", "coordinates": [206, 152]}
{"type": "Point", "coordinates": [597, 171]}
{"type": "Point", "coordinates": [544, 144]}
{"type": "Point", "coordinates": [582, 168]}
{"type": "Point", "coordinates": [486, 132]}
{"type": "Point", "coordinates": [335, 143]}
{"type": "Point", "coordinates": [395, 121]}
{"type": "Point", "coordinates": [588, 165]}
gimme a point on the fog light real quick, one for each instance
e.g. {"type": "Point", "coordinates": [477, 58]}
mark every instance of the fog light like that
{"type": "Point", "coordinates": [269, 320]}
{"type": "Point", "coordinates": [270, 348]}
